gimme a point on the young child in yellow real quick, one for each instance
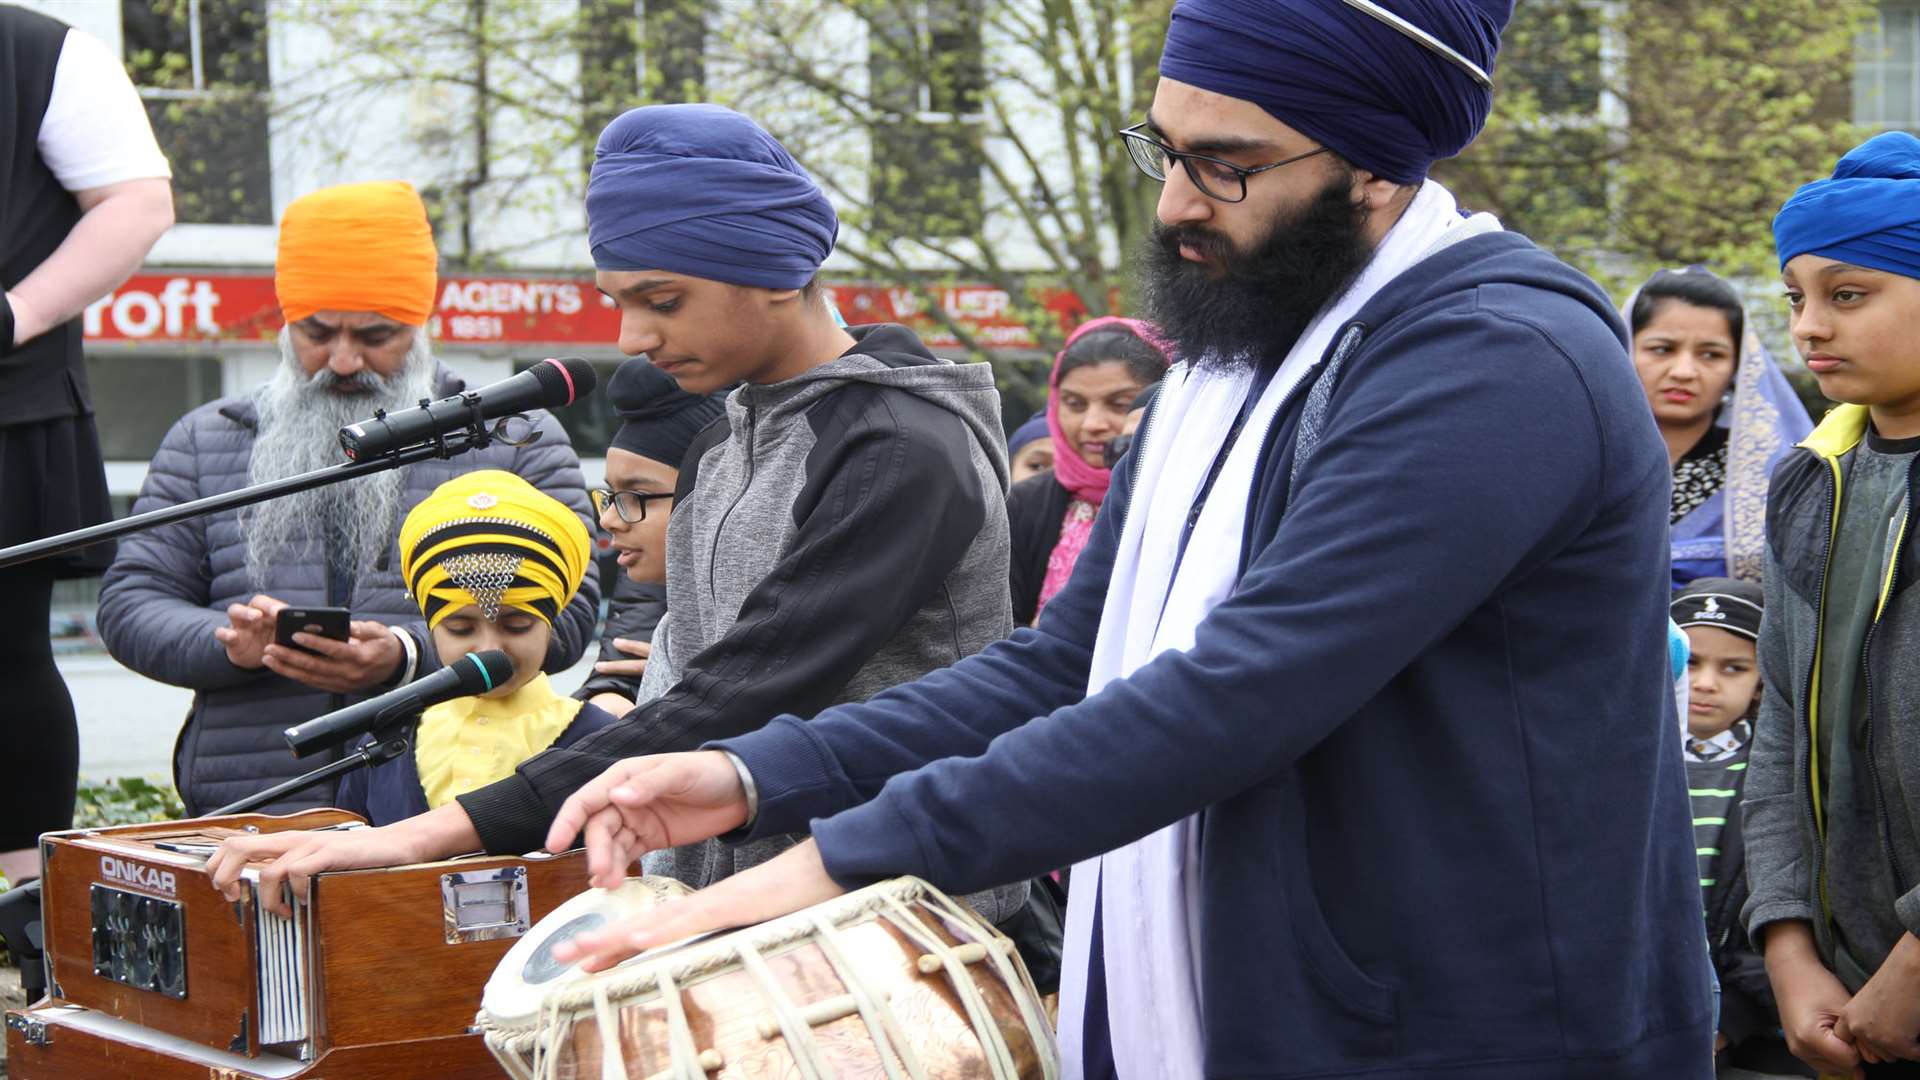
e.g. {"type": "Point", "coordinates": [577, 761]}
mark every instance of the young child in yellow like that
{"type": "Point", "coordinates": [491, 560]}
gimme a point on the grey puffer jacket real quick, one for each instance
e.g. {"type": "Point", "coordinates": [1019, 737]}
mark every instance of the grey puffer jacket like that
{"type": "Point", "coordinates": [169, 588]}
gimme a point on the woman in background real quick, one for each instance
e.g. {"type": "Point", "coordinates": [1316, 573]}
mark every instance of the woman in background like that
{"type": "Point", "coordinates": [1726, 413]}
{"type": "Point", "coordinates": [1106, 363]}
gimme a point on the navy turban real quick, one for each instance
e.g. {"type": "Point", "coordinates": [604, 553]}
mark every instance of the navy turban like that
{"type": "Point", "coordinates": [1867, 214]}
{"type": "Point", "coordinates": [1377, 97]}
{"type": "Point", "coordinates": [702, 190]}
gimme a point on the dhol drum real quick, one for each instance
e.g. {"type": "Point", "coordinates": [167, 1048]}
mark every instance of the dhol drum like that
{"type": "Point", "coordinates": [896, 980]}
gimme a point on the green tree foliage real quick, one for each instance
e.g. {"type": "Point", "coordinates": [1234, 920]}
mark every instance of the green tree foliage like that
{"type": "Point", "coordinates": [506, 98]}
{"type": "Point", "coordinates": [201, 68]}
{"type": "Point", "coordinates": [129, 800]}
{"type": "Point", "coordinates": [1635, 134]}
{"type": "Point", "coordinates": [975, 140]}
{"type": "Point", "coordinates": [970, 140]}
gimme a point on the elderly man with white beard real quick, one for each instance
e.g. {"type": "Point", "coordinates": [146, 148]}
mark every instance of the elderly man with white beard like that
{"type": "Point", "coordinates": [195, 604]}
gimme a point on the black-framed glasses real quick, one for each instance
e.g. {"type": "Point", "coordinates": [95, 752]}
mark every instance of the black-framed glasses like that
{"type": "Point", "coordinates": [1216, 179]}
{"type": "Point", "coordinates": [631, 506]}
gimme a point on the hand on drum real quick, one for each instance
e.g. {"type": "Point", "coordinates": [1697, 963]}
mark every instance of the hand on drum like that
{"type": "Point", "coordinates": [647, 803]}
{"type": "Point", "coordinates": [793, 880]}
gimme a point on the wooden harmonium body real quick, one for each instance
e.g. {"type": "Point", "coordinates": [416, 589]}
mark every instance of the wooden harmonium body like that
{"type": "Point", "coordinates": [378, 973]}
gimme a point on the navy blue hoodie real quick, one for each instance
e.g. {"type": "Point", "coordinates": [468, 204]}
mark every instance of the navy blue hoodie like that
{"type": "Point", "coordinates": [1431, 735]}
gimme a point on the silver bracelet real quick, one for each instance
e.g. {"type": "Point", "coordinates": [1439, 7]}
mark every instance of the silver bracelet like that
{"type": "Point", "coordinates": [747, 785]}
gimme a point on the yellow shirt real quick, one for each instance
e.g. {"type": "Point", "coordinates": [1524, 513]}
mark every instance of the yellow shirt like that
{"type": "Point", "coordinates": [470, 742]}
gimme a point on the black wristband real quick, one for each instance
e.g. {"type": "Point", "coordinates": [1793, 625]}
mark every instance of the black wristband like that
{"type": "Point", "coordinates": [6, 325]}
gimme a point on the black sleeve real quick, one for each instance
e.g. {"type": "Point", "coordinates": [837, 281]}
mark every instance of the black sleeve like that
{"type": "Point", "coordinates": [891, 505]}
{"type": "Point", "coordinates": [1747, 1005]}
{"type": "Point", "coordinates": [1027, 504]}
{"type": "Point", "coordinates": [632, 614]}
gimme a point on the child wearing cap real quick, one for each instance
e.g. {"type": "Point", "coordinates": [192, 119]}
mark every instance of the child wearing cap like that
{"type": "Point", "coordinates": [1721, 620]}
{"type": "Point", "coordinates": [1832, 832]}
{"type": "Point", "coordinates": [491, 560]}
{"type": "Point", "coordinates": [658, 423]}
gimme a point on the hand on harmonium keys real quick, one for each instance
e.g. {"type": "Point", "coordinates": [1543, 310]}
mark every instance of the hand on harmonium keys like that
{"type": "Point", "coordinates": [288, 860]}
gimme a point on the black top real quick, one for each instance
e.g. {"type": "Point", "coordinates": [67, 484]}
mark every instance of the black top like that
{"type": "Point", "coordinates": [1035, 508]}
{"type": "Point", "coordinates": [46, 377]}
{"type": "Point", "coordinates": [633, 612]}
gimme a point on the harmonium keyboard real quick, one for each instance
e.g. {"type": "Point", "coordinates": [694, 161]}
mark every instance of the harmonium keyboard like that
{"type": "Point", "coordinates": [153, 974]}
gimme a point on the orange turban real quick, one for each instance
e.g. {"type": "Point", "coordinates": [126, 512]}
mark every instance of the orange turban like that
{"type": "Point", "coordinates": [357, 247]}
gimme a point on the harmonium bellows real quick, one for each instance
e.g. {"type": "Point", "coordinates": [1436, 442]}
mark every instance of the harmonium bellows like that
{"type": "Point", "coordinates": [378, 973]}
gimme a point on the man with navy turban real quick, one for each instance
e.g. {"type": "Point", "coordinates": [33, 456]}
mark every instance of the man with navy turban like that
{"type": "Point", "coordinates": [1832, 837]}
{"type": "Point", "coordinates": [1355, 716]}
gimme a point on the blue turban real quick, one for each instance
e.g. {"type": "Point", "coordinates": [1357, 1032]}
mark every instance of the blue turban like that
{"type": "Point", "coordinates": [1378, 98]}
{"type": "Point", "coordinates": [1033, 430]}
{"type": "Point", "coordinates": [702, 190]}
{"type": "Point", "coordinates": [1867, 214]}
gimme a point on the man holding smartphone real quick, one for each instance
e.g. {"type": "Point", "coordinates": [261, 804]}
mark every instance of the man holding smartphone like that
{"type": "Point", "coordinates": [202, 603]}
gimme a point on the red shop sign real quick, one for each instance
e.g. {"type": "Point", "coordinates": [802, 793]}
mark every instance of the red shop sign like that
{"type": "Point", "coordinates": [192, 307]}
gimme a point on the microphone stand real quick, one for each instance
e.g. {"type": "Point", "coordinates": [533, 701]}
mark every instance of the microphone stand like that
{"type": "Point", "coordinates": [390, 740]}
{"type": "Point", "coordinates": [474, 437]}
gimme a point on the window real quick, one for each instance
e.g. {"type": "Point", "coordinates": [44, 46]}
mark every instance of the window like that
{"type": "Point", "coordinates": [137, 398]}
{"type": "Point", "coordinates": [201, 66]}
{"type": "Point", "coordinates": [634, 51]}
{"type": "Point", "coordinates": [1886, 70]}
{"type": "Point", "coordinates": [929, 82]}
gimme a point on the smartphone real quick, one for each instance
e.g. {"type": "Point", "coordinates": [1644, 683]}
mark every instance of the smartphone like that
{"type": "Point", "coordinates": [327, 622]}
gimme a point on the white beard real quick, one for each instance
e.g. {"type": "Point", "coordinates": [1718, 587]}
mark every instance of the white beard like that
{"type": "Point", "coordinates": [300, 418]}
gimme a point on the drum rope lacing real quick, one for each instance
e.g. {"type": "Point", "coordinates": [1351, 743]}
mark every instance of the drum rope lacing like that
{"type": "Point", "coordinates": [748, 952]}
{"type": "Point", "coordinates": [1000, 1059]}
{"type": "Point", "coordinates": [882, 1023]}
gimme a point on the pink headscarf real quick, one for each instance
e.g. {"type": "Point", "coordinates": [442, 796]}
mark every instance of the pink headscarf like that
{"type": "Point", "coordinates": [1070, 470]}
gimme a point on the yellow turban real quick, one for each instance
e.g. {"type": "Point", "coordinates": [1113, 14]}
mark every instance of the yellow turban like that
{"type": "Point", "coordinates": [490, 538]}
{"type": "Point", "coordinates": [357, 247]}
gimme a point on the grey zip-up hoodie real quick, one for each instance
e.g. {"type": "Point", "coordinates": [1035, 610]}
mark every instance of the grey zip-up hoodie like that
{"type": "Point", "coordinates": [1789, 834]}
{"type": "Point", "coordinates": [844, 532]}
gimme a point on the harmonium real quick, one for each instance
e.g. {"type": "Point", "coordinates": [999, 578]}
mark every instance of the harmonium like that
{"type": "Point", "coordinates": [153, 974]}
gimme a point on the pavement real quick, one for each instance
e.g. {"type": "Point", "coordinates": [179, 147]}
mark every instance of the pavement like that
{"type": "Point", "coordinates": [128, 722]}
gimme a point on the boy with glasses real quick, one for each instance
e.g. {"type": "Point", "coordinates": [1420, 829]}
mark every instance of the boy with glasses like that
{"type": "Point", "coordinates": [658, 423]}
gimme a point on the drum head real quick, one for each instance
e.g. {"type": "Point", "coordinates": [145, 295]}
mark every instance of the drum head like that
{"type": "Point", "coordinates": [529, 970]}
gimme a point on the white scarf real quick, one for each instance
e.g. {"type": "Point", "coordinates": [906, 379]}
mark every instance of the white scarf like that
{"type": "Point", "coordinates": [1149, 889]}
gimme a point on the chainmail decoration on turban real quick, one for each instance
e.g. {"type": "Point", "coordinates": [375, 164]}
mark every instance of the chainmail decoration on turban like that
{"type": "Point", "coordinates": [485, 575]}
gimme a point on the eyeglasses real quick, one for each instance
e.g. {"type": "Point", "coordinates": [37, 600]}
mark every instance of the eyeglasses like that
{"type": "Point", "coordinates": [1216, 179]}
{"type": "Point", "coordinates": [630, 505]}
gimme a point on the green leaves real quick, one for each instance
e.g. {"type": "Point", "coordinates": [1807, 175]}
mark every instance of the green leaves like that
{"type": "Point", "coordinates": [128, 800]}
{"type": "Point", "coordinates": [1647, 133]}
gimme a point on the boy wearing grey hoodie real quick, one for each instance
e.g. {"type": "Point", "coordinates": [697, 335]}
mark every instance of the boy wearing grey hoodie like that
{"type": "Point", "coordinates": [844, 532]}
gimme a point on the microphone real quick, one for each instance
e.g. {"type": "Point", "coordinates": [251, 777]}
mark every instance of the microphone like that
{"type": "Point", "coordinates": [548, 384]}
{"type": "Point", "coordinates": [474, 673]}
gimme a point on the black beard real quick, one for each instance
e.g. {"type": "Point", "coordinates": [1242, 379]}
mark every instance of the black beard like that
{"type": "Point", "coordinates": [1237, 310]}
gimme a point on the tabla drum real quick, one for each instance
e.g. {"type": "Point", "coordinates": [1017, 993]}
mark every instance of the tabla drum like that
{"type": "Point", "coordinates": [512, 996]}
{"type": "Point", "coordinates": [896, 980]}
